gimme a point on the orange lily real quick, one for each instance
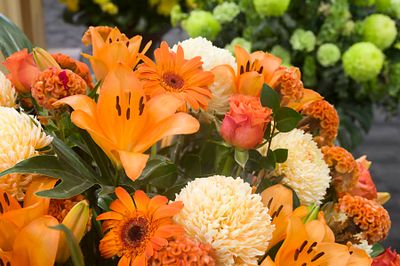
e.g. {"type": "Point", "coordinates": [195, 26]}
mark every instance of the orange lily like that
{"type": "Point", "coordinates": [113, 49]}
{"type": "Point", "coordinates": [124, 124]}
{"type": "Point", "coordinates": [26, 236]}
{"type": "Point", "coordinates": [279, 200]}
{"type": "Point", "coordinates": [253, 70]}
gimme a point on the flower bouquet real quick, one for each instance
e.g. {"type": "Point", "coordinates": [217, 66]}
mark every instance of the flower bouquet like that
{"type": "Point", "coordinates": [348, 50]}
{"type": "Point", "coordinates": [193, 158]}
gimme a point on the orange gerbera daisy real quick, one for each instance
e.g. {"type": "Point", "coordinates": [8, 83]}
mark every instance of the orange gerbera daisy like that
{"type": "Point", "coordinates": [171, 73]}
{"type": "Point", "coordinates": [137, 226]}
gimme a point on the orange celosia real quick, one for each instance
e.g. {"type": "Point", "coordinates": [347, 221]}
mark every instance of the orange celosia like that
{"type": "Point", "coordinates": [172, 74]}
{"type": "Point", "coordinates": [323, 122]}
{"type": "Point", "coordinates": [343, 168]}
{"type": "Point", "coordinates": [253, 70]}
{"type": "Point", "coordinates": [138, 226]}
{"type": "Point", "coordinates": [124, 124]}
{"type": "Point", "coordinates": [184, 251]}
{"type": "Point", "coordinates": [54, 84]}
{"type": "Point", "coordinates": [75, 66]}
{"type": "Point", "coordinates": [115, 49]}
{"type": "Point", "coordinates": [305, 245]}
{"type": "Point", "coordinates": [287, 82]}
{"type": "Point", "coordinates": [369, 216]}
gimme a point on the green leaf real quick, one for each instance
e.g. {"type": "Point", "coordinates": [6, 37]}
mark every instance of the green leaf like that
{"type": "Point", "coordinates": [281, 155]}
{"type": "Point", "coordinates": [241, 157]}
{"type": "Point", "coordinates": [286, 119]}
{"type": "Point", "coordinates": [73, 245]}
{"type": "Point", "coordinates": [268, 131]}
{"type": "Point", "coordinates": [12, 39]}
{"type": "Point", "coordinates": [269, 98]}
{"type": "Point", "coordinates": [268, 162]}
{"type": "Point", "coordinates": [264, 184]}
{"type": "Point", "coordinates": [377, 249]}
{"type": "Point", "coordinates": [274, 250]}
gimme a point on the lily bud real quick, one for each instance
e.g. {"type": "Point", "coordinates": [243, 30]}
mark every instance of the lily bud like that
{"type": "Point", "coordinates": [43, 59]}
{"type": "Point", "coordinates": [76, 220]}
{"type": "Point", "coordinates": [383, 197]}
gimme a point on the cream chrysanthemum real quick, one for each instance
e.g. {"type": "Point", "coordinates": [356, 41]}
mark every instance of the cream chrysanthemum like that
{"type": "Point", "coordinates": [223, 212]}
{"type": "Point", "coordinates": [212, 57]}
{"type": "Point", "coordinates": [305, 170]}
{"type": "Point", "coordinates": [8, 96]}
{"type": "Point", "coordinates": [20, 137]}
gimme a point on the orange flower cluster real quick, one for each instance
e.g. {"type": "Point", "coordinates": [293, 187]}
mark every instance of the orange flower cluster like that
{"type": "Point", "coordinates": [288, 84]}
{"type": "Point", "coordinates": [75, 66]}
{"type": "Point", "coordinates": [59, 208]}
{"type": "Point", "coordinates": [369, 216]}
{"type": "Point", "coordinates": [343, 166]}
{"type": "Point", "coordinates": [54, 84]}
{"type": "Point", "coordinates": [325, 120]}
{"type": "Point", "coordinates": [184, 251]}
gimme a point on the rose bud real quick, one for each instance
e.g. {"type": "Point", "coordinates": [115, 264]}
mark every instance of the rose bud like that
{"type": "Point", "coordinates": [365, 187]}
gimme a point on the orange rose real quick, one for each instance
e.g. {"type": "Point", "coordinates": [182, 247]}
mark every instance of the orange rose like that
{"type": "Point", "coordinates": [23, 70]}
{"type": "Point", "coordinates": [245, 123]}
{"type": "Point", "coordinates": [365, 187]}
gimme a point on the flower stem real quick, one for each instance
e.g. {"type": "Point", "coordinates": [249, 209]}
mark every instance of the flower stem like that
{"type": "Point", "coordinates": [153, 150]}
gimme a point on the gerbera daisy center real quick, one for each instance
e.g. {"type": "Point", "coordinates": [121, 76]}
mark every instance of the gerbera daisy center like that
{"type": "Point", "coordinates": [135, 231]}
{"type": "Point", "coordinates": [172, 80]}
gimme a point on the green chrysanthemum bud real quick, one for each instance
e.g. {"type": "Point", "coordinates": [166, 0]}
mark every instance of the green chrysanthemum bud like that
{"type": "Point", "coordinates": [226, 12]}
{"type": "Point", "coordinates": [363, 2]}
{"type": "Point", "coordinates": [302, 40]}
{"type": "Point", "coordinates": [282, 53]}
{"type": "Point", "coordinates": [391, 7]}
{"type": "Point", "coordinates": [363, 61]}
{"type": "Point", "coordinates": [177, 15]}
{"type": "Point", "coordinates": [380, 30]}
{"type": "Point", "coordinates": [201, 23]}
{"type": "Point", "coordinates": [271, 8]}
{"type": "Point", "coordinates": [328, 54]}
{"type": "Point", "coordinates": [245, 44]}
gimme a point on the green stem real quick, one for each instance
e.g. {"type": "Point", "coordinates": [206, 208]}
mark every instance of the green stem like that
{"type": "Point", "coordinates": [153, 150]}
{"type": "Point", "coordinates": [227, 169]}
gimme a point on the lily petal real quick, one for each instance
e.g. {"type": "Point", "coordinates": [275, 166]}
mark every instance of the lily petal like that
{"type": "Point", "coordinates": [133, 163]}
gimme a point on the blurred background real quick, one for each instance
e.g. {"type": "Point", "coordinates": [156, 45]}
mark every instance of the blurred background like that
{"type": "Point", "coordinates": [366, 95]}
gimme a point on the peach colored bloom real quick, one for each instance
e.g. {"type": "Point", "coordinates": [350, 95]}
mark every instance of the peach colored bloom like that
{"type": "Point", "coordinates": [23, 70]}
{"type": "Point", "coordinates": [387, 258]}
{"type": "Point", "coordinates": [54, 84]}
{"type": "Point", "coordinates": [365, 187]}
{"type": "Point", "coordinates": [245, 123]}
{"type": "Point", "coordinates": [287, 82]}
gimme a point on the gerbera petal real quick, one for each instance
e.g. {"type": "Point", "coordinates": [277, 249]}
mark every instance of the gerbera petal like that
{"type": "Point", "coordinates": [168, 210]}
{"type": "Point", "coordinates": [37, 243]}
{"type": "Point", "coordinates": [167, 231]}
{"type": "Point", "coordinates": [110, 216]}
{"type": "Point", "coordinates": [159, 242]}
{"type": "Point", "coordinates": [125, 198]}
{"type": "Point", "coordinates": [125, 261]}
{"type": "Point", "coordinates": [117, 206]}
{"type": "Point", "coordinates": [141, 201]}
{"type": "Point", "coordinates": [156, 202]}
{"type": "Point", "coordinates": [149, 250]}
{"type": "Point", "coordinates": [140, 261]}
{"type": "Point", "coordinates": [133, 163]}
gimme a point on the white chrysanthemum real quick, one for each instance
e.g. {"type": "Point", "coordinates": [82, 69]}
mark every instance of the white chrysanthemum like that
{"type": "Point", "coordinates": [20, 137]}
{"type": "Point", "coordinates": [305, 170]}
{"type": "Point", "coordinates": [8, 96]}
{"type": "Point", "coordinates": [212, 56]}
{"type": "Point", "coordinates": [223, 212]}
{"type": "Point", "coordinates": [363, 245]}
